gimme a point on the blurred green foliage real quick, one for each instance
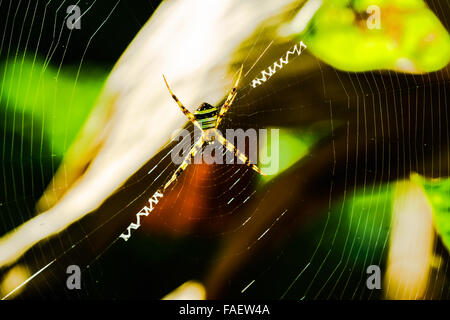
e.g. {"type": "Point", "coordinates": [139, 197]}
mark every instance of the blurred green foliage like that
{"type": "Point", "coordinates": [364, 216]}
{"type": "Point", "coordinates": [53, 98]}
{"type": "Point", "coordinates": [369, 219]}
{"type": "Point", "coordinates": [438, 193]}
{"type": "Point", "coordinates": [293, 145]}
{"type": "Point", "coordinates": [410, 38]}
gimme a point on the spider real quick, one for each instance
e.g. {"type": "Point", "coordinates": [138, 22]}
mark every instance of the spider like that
{"type": "Point", "coordinates": [207, 118]}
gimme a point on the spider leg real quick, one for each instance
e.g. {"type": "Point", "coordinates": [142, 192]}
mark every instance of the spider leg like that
{"type": "Point", "coordinates": [186, 112]}
{"type": "Point", "coordinates": [237, 153]}
{"type": "Point", "coordinates": [230, 99]}
{"type": "Point", "coordinates": [197, 146]}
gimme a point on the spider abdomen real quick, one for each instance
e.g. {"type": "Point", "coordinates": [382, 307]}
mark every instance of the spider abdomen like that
{"type": "Point", "coordinates": [206, 116]}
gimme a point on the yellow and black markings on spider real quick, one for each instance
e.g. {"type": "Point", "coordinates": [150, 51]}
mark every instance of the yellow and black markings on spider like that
{"type": "Point", "coordinates": [207, 118]}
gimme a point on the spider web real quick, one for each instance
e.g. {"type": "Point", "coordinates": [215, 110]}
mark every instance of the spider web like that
{"type": "Point", "coordinates": [308, 233]}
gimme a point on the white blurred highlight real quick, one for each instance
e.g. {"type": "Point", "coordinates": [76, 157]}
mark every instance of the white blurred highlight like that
{"type": "Point", "coordinates": [11, 283]}
{"type": "Point", "coordinates": [411, 244]}
{"type": "Point", "coordinates": [191, 290]}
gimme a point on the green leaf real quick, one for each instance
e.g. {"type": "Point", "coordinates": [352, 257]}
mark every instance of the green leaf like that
{"type": "Point", "coordinates": [410, 38]}
{"type": "Point", "coordinates": [53, 97]}
{"type": "Point", "coordinates": [438, 193]}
